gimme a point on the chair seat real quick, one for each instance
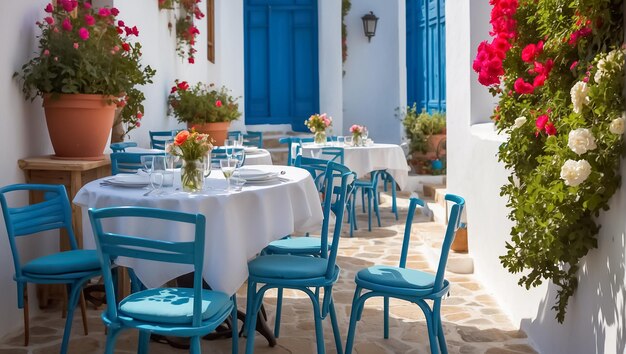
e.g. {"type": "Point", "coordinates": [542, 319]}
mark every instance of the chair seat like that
{"type": "Point", "coordinates": [74, 261]}
{"type": "Point", "coordinates": [171, 305]}
{"type": "Point", "coordinates": [287, 267]}
{"type": "Point", "coordinates": [295, 245]}
{"type": "Point", "coordinates": [396, 277]}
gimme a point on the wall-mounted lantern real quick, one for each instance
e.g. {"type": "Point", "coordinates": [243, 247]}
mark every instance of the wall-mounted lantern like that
{"type": "Point", "coordinates": [369, 25]}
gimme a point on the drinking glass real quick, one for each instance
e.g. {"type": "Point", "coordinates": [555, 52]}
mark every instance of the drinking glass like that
{"type": "Point", "coordinates": [228, 167]}
{"type": "Point", "coordinates": [156, 180]}
{"type": "Point", "coordinates": [158, 169]}
{"type": "Point", "coordinates": [240, 156]}
{"type": "Point", "coordinates": [228, 147]}
{"type": "Point", "coordinates": [348, 140]}
{"type": "Point", "coordinates": [239, 142]}
{"type": "Point", "coordinates": [146, 163]}
{"type": "Point", "coordinates": [341, 140]}
{"type": "Point", "coordinates": [364, 136]}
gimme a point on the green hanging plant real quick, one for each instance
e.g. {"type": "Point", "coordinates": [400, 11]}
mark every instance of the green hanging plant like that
{"type": "Point", "coordinates": [558, 69]}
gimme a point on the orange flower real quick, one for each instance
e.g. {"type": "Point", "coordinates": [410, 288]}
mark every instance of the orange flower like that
{"type": "Point", "coordinates": [181, 138]}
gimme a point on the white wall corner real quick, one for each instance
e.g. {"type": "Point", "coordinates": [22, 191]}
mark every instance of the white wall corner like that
{"type": "Point", "coordinates": [330, 62]}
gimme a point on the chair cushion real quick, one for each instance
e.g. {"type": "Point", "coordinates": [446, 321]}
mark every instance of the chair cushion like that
{"type": "Point", "coordinates": [287, 267]}
{"type": "Point", "coordinates": [397, 277]}
{"type": "Point", "coordinates": [64, 262]}
{"type": "Point", "coordinates": [171, 305]}
{"type": "Point", "coordinates": [296, 245]}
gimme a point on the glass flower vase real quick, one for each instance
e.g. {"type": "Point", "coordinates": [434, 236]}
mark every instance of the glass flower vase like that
{"type": "Point", "coordinates": [357, 140]}
{"type": "Point", "coordinates": [320, 137]}
{"type": "Point", "coordinates": [192, 175]}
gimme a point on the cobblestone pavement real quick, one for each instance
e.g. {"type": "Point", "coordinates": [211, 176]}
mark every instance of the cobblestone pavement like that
{"type": "Point", "coordinates": [472, 320]}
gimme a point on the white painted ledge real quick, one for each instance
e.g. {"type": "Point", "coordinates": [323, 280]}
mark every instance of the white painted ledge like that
{"type": "Point", "coordinates": [488, 132]}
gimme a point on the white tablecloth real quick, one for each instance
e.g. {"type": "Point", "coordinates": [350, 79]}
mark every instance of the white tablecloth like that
{"type": "Point", "coordinates": [238, 225]}
{"type": "Point", "coordinates": [258, 157]}
{"type": "Point", "coordinates": [365, 159]}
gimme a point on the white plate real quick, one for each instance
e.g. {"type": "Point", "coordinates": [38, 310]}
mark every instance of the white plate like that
{"type": "Point", "coordinates": [253, 173]}
{"type": "Point", "coordinates": [129, 180]}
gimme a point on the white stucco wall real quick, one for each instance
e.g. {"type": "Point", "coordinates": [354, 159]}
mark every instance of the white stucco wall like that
{"type": "Point", "coordinates": [595, 321]}
{"type": "Point", "coordinates": [374, 85]}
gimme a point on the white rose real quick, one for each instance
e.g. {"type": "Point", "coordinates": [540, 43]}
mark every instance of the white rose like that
{"type": "Point", "coordinates": [581, 140]}
{"type": "Point", "coordinates": [601, 70]}
{"type": "Point", "coordinates": [519, 122]}
{"type": "Point", "coordinates": [575, 172]}
{"type": "Point", "coordinates": [617, 126]}
{"type": "Point", "coordinates": [579, 95]}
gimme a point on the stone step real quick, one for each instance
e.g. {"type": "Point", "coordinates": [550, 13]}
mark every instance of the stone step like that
{"type": "Point", "coordinates": [432, 234]}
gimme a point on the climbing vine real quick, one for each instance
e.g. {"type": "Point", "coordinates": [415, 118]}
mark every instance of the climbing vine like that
{"type": "Point", "coordinates": [558, 69]}
{"type": "Point", "coordinates": [345, 8]}
{"type": "Point", "coordinates": [186, 30]}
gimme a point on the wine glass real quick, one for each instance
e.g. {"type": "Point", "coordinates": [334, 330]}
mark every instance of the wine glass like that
{"type": "Point", "coordinates": [239, 141]}
{"type": "Point", "coordinates": [348, 140]}
{"type": "Point", "coordinates": [341, 140]}
{"type": "Point", "coordinates": [364, 135]}
{"type": "Point", "coordinates": [228, 167]}
{"type": "Point", "coordinates": [239, 155]}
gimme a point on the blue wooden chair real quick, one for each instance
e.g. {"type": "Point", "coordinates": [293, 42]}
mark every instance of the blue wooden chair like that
{"type": "Point", "coordinates": [409, 284]}
{"type": "Point", "coordinates": [369, 188]}
{"type": "Point", "coordinates": [296, 272]}
{"type": "Point", "coordinates": [73, 268]}
{"type": "Point", "coordinates": [291, 156]}
{"type": "Point", "coordinates": [250, 138]}
{"type": "Point", "coordinates": [158, 139]}
{"type": "Point", "coordinates": [128, 162]}
{"type": "Point", "coordinates": [164, 311]}
{"type": "Point", "coordinates": [386, 177]}
{"type": "Point", "coordinates": [121, 147]}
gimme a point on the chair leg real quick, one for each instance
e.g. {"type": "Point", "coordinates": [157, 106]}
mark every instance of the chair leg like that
{"type": "Point", "coordinates": [279, 305]}
{"type": "Point", "coordinates": [319, 330]}
{"type": "Point", "coordinates": [26, 317]}
{"type": "Point", "coordinates": [112, 335]}
{"type": "Point", "coordinates": [376, 209]}
{"type": "Point", "coordinates": [235, 327]}
{"type": "Point", "coordinates": [369, 210]}
{"type": "Point", "coordinates": [386, 318]}
{"type": "Point", "coordinates": [143, 343]}
{"type": "Point", "coordinates": [336, 333]}
{"type": "Point", "coordinates": [442, 339]}
{"type": "Point", "coordinates": [83, 311]}
{"type": "Point", "coordinates": [353, 319]}
{"type": "Point", "coordinates": [363, 199]}
{"type": "Point", "coordinates": [250, 317]}
{"type": "Point", "coordinates": [74, 291]}
{"type": "Point", "coordinates": [195, 347]}
{"type": "Point", "coordinates": [394, 205]}
{"type": "Point", "coordinates": [438, 327]}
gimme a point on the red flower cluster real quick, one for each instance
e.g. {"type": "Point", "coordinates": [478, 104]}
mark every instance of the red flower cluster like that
{"type": "Point", "coordinates": [488, 62]}
{"type": "Point", "coordinates": [183, 86]}
{"type": "Point", "coordinates": [581, 33]}
{"type": "Point", "coordinates": [543, 124]}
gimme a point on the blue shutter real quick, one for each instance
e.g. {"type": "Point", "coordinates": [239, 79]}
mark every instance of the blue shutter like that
{"type": "Point", "coordinates": [281, 63]}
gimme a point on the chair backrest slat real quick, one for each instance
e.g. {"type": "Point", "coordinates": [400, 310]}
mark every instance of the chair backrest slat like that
{"type": "Point", "coordinates": [111, 245]}
{"type": "Point", "coordinates": [250, 138]}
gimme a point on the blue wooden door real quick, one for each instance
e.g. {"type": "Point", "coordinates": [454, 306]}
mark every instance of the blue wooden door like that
{"type": "Point", "coordinates": [426, 54]}
{"type": "Point", "coordinates": [281, 62]}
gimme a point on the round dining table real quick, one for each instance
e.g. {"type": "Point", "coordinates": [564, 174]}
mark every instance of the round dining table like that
{"type": "Point", "coordinates": [239, 224]}
{"type": "Point", "coordinates": [372, 157]}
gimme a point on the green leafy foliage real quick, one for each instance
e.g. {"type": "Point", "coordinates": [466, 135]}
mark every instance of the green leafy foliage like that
{"type": "Point", "coordinates": [84, 51]}
{"type": "Point", "coordinates": [419, 126]}
{"type": "Point", "coordinates": [202, 103]}
{"type": "Point", "coordinates": [555, 218]}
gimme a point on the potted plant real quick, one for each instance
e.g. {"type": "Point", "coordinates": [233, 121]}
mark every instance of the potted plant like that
{"type": "Point", "coordinates": [204, 108]}
{"type": "Point", "coordinates": [425, 131]}
{"type": "Point", "coordinates": [85, 68]}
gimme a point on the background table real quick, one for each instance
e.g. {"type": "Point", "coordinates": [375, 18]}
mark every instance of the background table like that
{"type": "Point", "coordinates": [239, 225]}
{"type": "Point", "coordinates": [365, 159]}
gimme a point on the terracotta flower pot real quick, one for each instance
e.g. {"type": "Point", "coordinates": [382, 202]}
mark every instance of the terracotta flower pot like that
{"type": "Point", "coordinates": [78, 125]}
{"type": "Point", "coordinates": [218, 131]}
